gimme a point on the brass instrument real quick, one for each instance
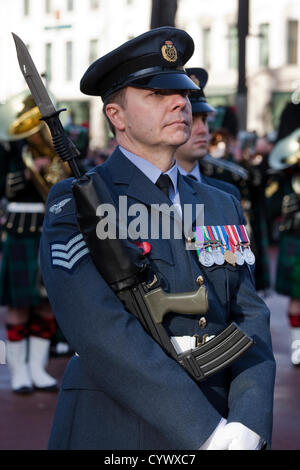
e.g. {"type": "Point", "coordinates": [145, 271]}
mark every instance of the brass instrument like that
{"type": "Point", "coordinates": [216, 164]}
{"type": "Point", "coordinates": [20, 119]}
{"type": "Point", "coordinates": [286, 156]}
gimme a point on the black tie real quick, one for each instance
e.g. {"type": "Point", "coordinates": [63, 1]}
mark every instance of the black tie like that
{"type": "Point", "coordinates": [163, 183]}
{"type": "Point", "coordinates": [192, 176]}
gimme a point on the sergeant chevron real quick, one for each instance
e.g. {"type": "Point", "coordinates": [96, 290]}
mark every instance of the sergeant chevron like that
{"type": "Point", "coordinates": [66, 255]}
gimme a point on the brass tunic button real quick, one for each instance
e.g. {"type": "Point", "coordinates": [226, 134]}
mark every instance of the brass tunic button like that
{"type": "Point", "coordinates": [202, 322]}
{"type": "Point", "coordinates": [200, 280]}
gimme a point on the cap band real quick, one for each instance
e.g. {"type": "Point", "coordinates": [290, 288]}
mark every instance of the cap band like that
{"type": "Point", "coordinates": [141, 74]}
{"type": "Point", "coordinates": [152, 70]}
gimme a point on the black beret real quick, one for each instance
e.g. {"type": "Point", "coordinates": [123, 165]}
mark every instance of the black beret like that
{"type": "Point", "coordinates": [154, 59]}
{"type": "Point", "coordinates": [197, 98]}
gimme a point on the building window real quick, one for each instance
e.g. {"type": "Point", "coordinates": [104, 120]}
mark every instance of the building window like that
{"type": "Point", "coordinates": [206, 38]}
{"type": "Point", "coordinates": [264, 45]}
{"type": "Point", "coordinates": [232, 47]}
{"type": "Point", "coordinates": [47, 6]}
{"type": "Point", "coordinates": [93, 52]}
{"type": "Point", "coordinates": [70, 5]}
{"type": "Point", "coordinates": [26, 7]}
{"type": "Point", "coordinates": [69, 61]}
{"type": "Point", "coordinates": [292, 42]}
{"type": "Point", "coordinates": [94, 4]}
{"type": "Point", "coordinates": [48, 57]}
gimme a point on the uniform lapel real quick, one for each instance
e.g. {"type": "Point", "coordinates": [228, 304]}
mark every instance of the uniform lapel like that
{"type": "Point", "coordinates": [217, 210]}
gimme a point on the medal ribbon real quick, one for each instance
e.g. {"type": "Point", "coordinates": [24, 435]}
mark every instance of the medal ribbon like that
{"type": "Point", "coordinates": [230, 239]}
{"type": "Point", "coordinates": [244, 235]}
{"type": "Point", "coordinates": [238, 234]}
{"type": "Point", "coordinates": [221, 237]}
{"type": "Point", "coordinates": [200, 239]}
{"type": "Point", "coordinates": [212, 237]}
{"type": "Point", "coordinates": [207, 238]}
{"type": "Point", "coordinates": [233, 236]}
{"type": "Point", "coordinates": [217, 235]}
{"type": "Point", "coordinates": [224, 236]}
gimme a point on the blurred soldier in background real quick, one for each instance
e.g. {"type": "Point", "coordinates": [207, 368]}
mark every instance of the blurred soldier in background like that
{"type": "Point", "coordinates": [254, 152]}
{"type": "Point", "coordinates": [28, 168]}
{"type": "Point", "coordinates": [190, 154]}
{"type": "Point", "coordinates": [285, 158]}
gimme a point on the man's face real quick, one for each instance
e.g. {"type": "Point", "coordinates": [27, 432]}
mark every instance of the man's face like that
{"type": "Point", "coordinates": [155, 119]}
{"type": "Point", "coordinates": [197, 145]}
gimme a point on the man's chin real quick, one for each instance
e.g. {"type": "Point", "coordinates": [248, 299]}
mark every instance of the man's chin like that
{"type": "Point", "coordinates": [201, 154]}
{"type": "Point", "coordinates": [181, 138]}
{"type": "Point", "coordinates": [200, 151]}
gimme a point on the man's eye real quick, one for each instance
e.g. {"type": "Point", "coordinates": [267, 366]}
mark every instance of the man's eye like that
{"type": "Point", "coordinates": [162, 92]}
{"type": "Point", "coordinates": [155, 93]}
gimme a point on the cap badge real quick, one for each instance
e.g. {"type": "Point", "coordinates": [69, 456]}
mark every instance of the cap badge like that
{"type": "Point", "coordinates": [169, 51]}
{"type": "Point", "coordinates": [195, 80]}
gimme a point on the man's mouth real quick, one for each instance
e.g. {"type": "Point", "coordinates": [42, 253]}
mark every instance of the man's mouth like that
{"type": "Point", "coordinates": [178, 122]}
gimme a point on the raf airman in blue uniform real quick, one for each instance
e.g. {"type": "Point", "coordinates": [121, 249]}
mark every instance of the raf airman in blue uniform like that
{"type": "Point", "coordinates": [189, 155]}
{"type": "Point", "coordinates": [121, 390]}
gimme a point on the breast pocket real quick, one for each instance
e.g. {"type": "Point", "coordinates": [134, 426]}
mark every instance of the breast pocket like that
{"type": "Point", "coordinates": [223, 281]}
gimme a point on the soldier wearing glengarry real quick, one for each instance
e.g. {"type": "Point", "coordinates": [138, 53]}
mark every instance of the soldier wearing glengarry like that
{"type": "Point", "coordinates": [285, 187]}
{"type": "Point", "coordinates": [28, 169]}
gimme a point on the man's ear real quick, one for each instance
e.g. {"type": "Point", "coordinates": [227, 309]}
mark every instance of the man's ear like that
{"type": "Point", "coordinates": [115, 114]}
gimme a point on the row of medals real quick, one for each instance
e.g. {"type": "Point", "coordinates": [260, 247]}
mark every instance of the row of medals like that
{"type": "Point", "coordinates": [218, 254]}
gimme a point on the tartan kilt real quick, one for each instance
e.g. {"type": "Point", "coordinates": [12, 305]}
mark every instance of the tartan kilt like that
{"type": "Point", "coordinates": [20, 279]}
{"type": "Point", "coordinates": [288, 266]}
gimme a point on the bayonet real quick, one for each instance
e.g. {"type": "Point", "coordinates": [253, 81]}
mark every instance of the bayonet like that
{"type": "Point", "coordinates": [63, 146]}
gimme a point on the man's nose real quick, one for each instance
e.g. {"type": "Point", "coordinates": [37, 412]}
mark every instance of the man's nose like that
{"type": "Point", "coordinates": [180, 100]}
{"type": "Point", "coordinates": [201, 126]}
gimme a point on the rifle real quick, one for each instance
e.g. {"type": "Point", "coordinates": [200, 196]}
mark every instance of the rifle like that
{"type": "Point", "coordinates": [122, 263]}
